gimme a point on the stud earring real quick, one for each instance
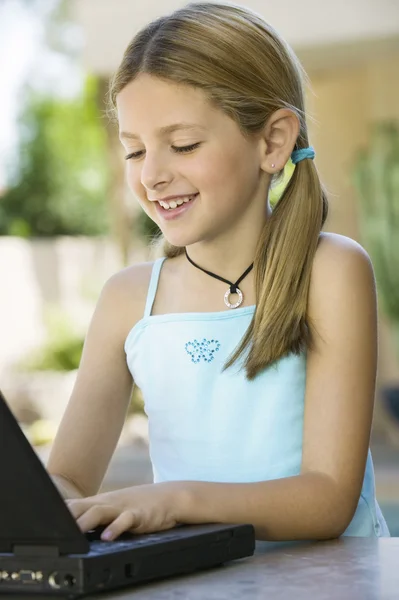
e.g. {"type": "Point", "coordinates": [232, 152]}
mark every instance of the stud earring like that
{"type": "Point", "coordinates": [273, 165]}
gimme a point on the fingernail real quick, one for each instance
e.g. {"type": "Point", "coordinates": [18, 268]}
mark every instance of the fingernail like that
{"type": "Point", "coordinates": [106, 535]}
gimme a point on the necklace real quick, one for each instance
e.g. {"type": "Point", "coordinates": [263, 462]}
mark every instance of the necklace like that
{"type": "Point", "coordinates": [233, 289]}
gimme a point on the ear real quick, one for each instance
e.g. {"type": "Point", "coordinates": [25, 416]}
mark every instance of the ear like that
{"type": "Point", "coordinates": [278, 140]}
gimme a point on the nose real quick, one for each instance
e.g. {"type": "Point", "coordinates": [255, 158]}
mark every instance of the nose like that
{"type": "Point", "coordinates": [155, 171]}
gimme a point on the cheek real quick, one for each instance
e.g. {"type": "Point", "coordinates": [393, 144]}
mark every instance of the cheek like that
{"type": "Point", "coordinates": [230, 171]}
{"type": "Point", "coordinates": [215, 171]}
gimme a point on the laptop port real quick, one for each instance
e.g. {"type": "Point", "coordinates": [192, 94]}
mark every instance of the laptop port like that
{"type": "Point", "coordinates": [57, 580]}
{"type": "Point", "coordinates": [26, 576]}
{"type": "Point", "coordinates": [69, 580]}
{"type": "Point", "coordinates": [54, 580]}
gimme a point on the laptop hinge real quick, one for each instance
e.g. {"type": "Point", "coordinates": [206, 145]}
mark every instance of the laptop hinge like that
{"type": "Point", "coordinates": [25, 550]}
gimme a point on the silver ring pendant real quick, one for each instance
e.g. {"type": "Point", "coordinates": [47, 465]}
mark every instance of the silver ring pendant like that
{"type": "Point", "coordinates": [227, 299]}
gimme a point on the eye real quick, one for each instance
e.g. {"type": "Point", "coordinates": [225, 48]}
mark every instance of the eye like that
{"type": "Point", "coordinates": [134, 155]}
{"type": "Point", "coordinates": [178, 149]}
{"type": "Point", "coordinates": [182, 149]}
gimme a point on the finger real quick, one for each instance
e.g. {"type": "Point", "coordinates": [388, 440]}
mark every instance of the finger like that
{"type": "Point", "coordinates": [78, 507]}
{"type": "Point", "coordinates": [99, 514]}
{"type": "Point", "coordinates": [126, 521]}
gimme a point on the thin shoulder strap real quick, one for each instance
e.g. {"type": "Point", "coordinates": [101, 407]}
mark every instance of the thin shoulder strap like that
{"type": "Point", "coordinates": [152, 288]}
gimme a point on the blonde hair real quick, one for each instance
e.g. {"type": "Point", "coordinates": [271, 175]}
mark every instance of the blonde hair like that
{"type": "Point", "coordinates": [248, 71]}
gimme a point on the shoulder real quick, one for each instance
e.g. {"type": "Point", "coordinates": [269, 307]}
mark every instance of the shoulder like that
{"type": "Point", "coordinates": [135, 278]}
{"type": "Point", "coordinates": [340, 264]}
{"type": "Point", "coordinates": [125, 293]}
{"type": "Point", "coordinates": [342, 278]}
{"type": "Point", "coordinates": [336, 251]}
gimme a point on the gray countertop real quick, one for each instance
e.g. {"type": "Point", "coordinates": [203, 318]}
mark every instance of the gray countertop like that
{"type": "Point", "coordinates": [344, 569]}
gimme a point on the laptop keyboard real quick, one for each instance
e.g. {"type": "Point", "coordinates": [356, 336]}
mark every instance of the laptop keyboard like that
{"type": "Point", "coordinates": [102, 547]}
{"type": "Point", "coordinates": [106, 547]}
{"type": "Point", "coordinates": [127, 541]}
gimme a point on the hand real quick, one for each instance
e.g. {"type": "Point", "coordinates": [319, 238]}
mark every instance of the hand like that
{"type": "Point", "coordinates": [138, 509]}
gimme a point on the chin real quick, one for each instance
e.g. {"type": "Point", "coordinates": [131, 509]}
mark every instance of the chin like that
{"type": "Point", "coordinates": [176, 240]}
{"type": "Point", "coordinates": [180, 239]}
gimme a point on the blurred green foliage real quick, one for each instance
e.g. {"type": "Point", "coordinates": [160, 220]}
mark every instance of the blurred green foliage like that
{"type": "Point", "coordinates": [59, 186]}
{"type": "Point", "coordinates": [62, 352]}
{"type": "Point", "coordinates": [376, 177]}
{"type": "Point", "coordinates": [62, 349]}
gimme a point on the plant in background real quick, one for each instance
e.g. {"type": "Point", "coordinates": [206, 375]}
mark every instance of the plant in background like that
{"type": "Point", "coordinates": [60, 184]}
{"type": "Point", "coordinates": [376, 177]}
{"type": "Point", "coordinates": [62, 349]}
{"type": "Point", "coordinates": [62, 352]}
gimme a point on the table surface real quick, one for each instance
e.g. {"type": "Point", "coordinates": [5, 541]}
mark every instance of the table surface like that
{"type": "Point", "coordinates": [344, 569]}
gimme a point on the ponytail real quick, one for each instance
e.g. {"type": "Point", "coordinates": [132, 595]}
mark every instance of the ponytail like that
{"type": "Point", "coordinates": [282, 271]}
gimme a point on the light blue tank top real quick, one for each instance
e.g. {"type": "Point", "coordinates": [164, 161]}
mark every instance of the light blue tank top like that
{"type": "Point", "coordinates": [206, 424]}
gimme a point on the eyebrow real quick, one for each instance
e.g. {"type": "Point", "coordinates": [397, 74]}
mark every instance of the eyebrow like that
{"type": "Point", "coordinates": [162, 130]}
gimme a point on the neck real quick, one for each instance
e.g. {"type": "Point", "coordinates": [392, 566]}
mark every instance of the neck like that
{"type": "Point", "coordinates": [225, 263]}
{"type": "Point", "coordinates": [229, 255]}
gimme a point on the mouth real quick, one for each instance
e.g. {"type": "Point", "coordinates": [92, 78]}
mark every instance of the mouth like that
{"type": "Point", "coordinates": [174, 208]}
{"type": "Point", "coordinates": [173, 204]}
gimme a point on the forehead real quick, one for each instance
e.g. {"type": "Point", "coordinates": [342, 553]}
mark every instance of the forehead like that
{"type": "Point", "coordinates": [150, 103]}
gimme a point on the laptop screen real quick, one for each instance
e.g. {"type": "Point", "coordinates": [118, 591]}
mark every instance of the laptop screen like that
{"type": "Point", "coordinates": [32, 512]}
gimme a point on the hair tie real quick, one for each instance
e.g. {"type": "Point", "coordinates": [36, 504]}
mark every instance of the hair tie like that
{"type": "Point", "coordinates": [301, 154]}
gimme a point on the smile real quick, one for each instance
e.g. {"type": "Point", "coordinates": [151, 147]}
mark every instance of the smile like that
{"type": "Point", "coordinates": [172, 204]}
{"type": "Point", "coordinates": [172, 209]}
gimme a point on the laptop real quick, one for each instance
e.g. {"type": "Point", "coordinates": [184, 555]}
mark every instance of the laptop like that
{"type": "Point", "coordinates": [43, 552]}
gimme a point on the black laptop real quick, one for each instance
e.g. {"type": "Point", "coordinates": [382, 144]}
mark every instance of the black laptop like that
{"type": "Point", "coordinates": [43, 551]}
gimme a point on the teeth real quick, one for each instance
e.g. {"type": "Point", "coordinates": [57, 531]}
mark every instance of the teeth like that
{"type": "Point", "coordinates": [175, 203]}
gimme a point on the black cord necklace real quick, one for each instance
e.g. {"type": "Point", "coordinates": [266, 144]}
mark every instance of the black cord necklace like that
{"type": "Point", "coordinates": [233, 289]}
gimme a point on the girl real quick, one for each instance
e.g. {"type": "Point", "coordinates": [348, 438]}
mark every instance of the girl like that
{"type": "Point", "coordinates": [254, 338]}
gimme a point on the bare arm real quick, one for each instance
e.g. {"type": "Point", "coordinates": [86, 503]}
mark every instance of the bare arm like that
{"type": "Point", "coordinates": [320, 502]}
{"type": "Point", "coordinates": [95, 414]}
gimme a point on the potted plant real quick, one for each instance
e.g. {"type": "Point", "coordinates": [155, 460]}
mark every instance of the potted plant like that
{"type": "Point", "coordinates": [376, 177]}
